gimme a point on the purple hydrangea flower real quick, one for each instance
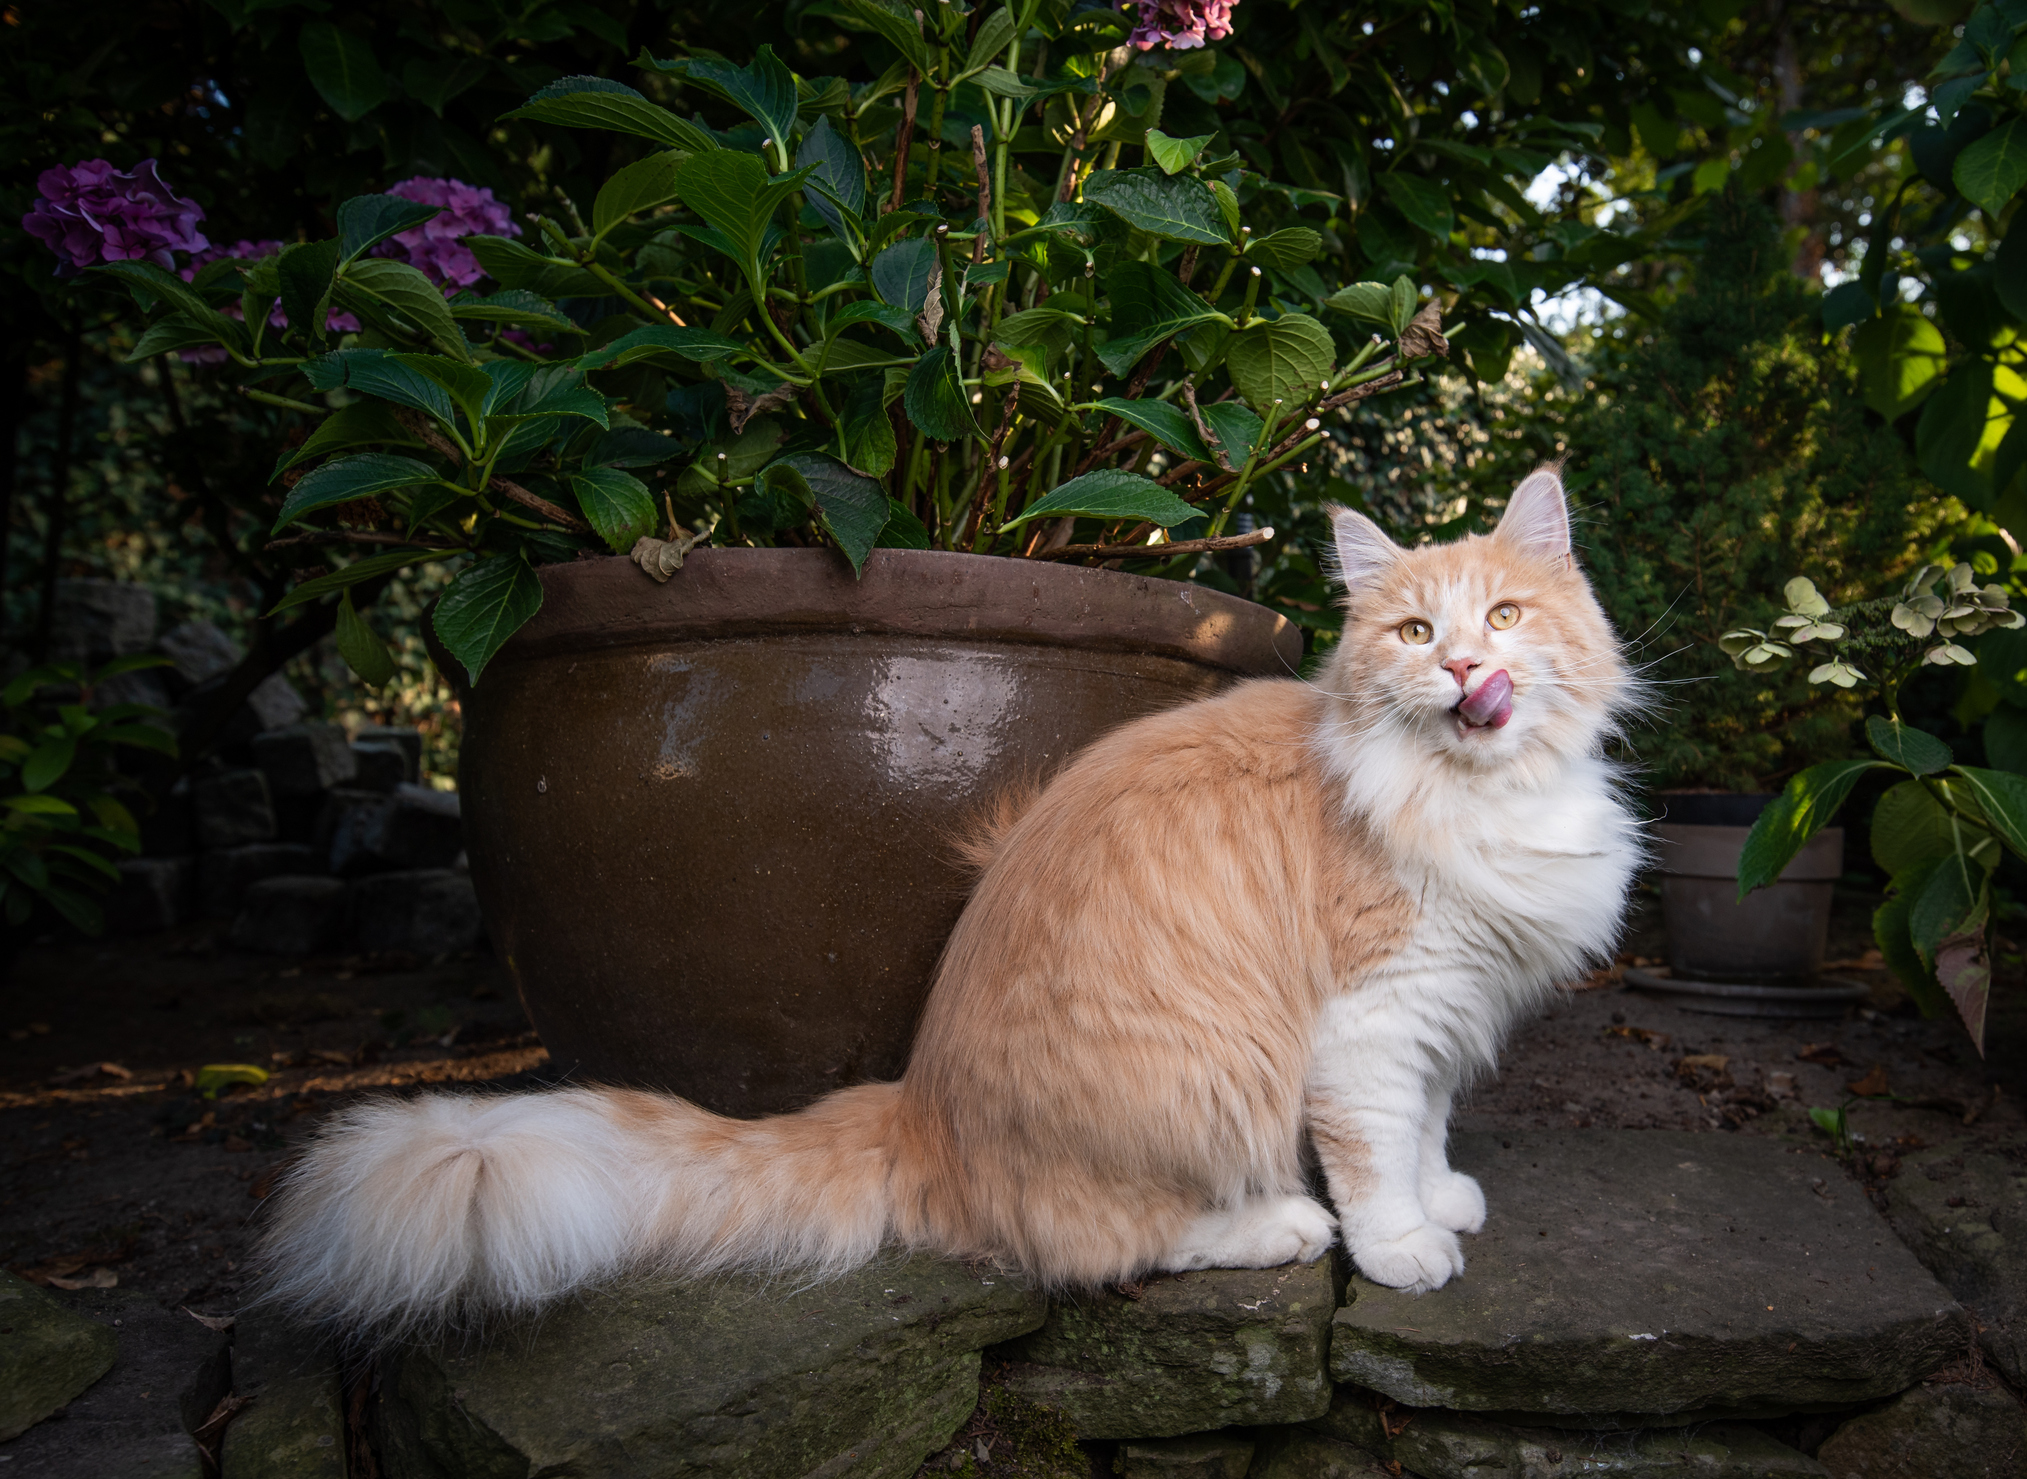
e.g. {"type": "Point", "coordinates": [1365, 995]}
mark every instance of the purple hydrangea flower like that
{"type": "Point", "coordinates": [434, 248]}
{"type": "Point", "coordinates": [1181, 25]}
{"type": "Point", "coordinates": [251, 251]}
{"type": "Point", "coordinates": [91, 213]}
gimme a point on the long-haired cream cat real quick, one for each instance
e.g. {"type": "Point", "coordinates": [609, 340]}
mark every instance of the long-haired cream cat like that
{"type": "Point", "coordinates": [1294, 913]}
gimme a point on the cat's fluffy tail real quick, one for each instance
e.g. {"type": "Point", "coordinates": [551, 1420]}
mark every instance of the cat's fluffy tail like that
{"type": "Point", "coordinates": [408, 1214]}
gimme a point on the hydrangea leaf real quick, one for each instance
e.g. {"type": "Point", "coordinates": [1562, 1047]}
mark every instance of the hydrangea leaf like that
{"type": "Point", "coordinates": [484, 606]}
{"type": "Point", "coordinates": [1110, 493]}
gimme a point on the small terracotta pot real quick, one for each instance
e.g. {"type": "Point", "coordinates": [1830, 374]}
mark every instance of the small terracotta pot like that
{"type": "Point", "coordinates": [1774, 936]}
{"type": "Point", "coordinates": [710, 821]}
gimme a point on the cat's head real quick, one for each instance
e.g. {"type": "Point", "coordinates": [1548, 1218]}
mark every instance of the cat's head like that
{"type": "Point", "coordinates": [1489, 649]}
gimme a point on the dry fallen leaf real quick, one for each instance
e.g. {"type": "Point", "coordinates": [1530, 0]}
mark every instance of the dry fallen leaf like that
{"type": "Point", "coordinates": [662, 558]}
{"type": "Point", "coordinates": [90, 1071]}
{"type": "Point", "coordinates": [98, 1278]}
{"type": "Point", "coordinates": [1873, 1085]}
{"type": "Point", "coordinates": [1824, 1054]}
{"type": "Point", "coordinates": [219, 1323]}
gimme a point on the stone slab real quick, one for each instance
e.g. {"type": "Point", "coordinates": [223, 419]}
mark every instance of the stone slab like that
{"type": "Point", "coordinates": [409, 827]}
{"type": "Point", "coordinates": [292, 916]}
{"type": "Point", "coordinates": [1436, 1444]}
{"type": "Point", "coordinates": [1198, 1456]}
{"type": "Point", "coordinates": [1209, 1349]}
{"type": "Point", "coordinates": [224, 874]}
{"type": "Point", "coordinates": [407, 741]}
{"type": "Point", "coordinates": [859, 1377]}
{"type": "Point", "coordinates": [1301, 1453]}
{"type": "Point", "coordinates": [48, 1354]}
{"type": "Point", "coordinates": [294, 1426]}
{"type": "Point", "coordinates": [1656, 1271]}
{"type": "Point", "coordinates": [1957, 1430]}
{"type": "Point", "coordinates": [154, 894]}
{"type": "Point", "coordinates": [427, 912]}
{"type": "Point", "coordinates": [232, 808]}
{"type": "Point", "coordinates": [304, 759]}
{"type": "Point", "coordinates": [1978, 1248]}
{"type": "Point", "coordinates": [93, 620]}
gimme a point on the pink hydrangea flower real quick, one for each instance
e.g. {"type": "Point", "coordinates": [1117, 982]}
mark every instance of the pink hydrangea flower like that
{"type": "Point", "coordinates": [91, 213]}
{"type": "Point", "coordinates": [1181, 25]}
{"type": "Point", "coordinates": [435, 248]}
{"type": "Point", "coordinates": [251, 251]}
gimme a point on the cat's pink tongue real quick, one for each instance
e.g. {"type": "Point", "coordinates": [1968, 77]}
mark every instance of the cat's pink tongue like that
{"type": "Point", "coordinates": [1492, 705]}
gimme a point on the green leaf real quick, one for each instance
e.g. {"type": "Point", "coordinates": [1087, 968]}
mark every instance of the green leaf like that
{"type": "Point", "coordinates": [851, 508]}
{"type": "Point", "coordinates": [1910, 828]}
{"type": "Point", "coordinates": [396, 285]}
{"type": "Point", "coordinates": [363, 423]}
{"type": "Point", "coordinates": [346, 478]}
{"type": "Point", "coordinates": [306, 271]}
{"type": "Point", "coordinates": [616, 504]}
{"type": "Point", "coordinates": [97, 862]}
{"type": "Point", "coordinates": [341, 67]}
{"type": "Point", "coordinates": [1952, 428]}
{"type": "Point", "coordinates": [150, 284]}
{"type": "Point", "coordinates": [1286, 249]}
{"type": "Point", "coordinates": [632, 446]}
{"type": "Point", "coordinates": [1369, 302]}
{"type": "Point", "coordinates": [1896, 944]}
{"type": "Point", "coordinates": [1421, 202]}
{"type": "Point", "coordinates": [1991, 171]}
{"type": "Point", "coordinates": [903, 530]}
{"type": "Point", "coordinates": [469, 387]}
{"type": "Point", "coordinates": [1830, 1121]}
{"type": "Point", "coordinates": [764, 91]}
{"type": "Point", "coordinates": [838, 167]}
{"type": "Point", "coordinates": [995, 32]}
{"type": "Point", "coordinates": [1169, 425]}
{"type": "Point", "coordinates": [1283, 359]}
{"type": "Point", "coordinates": [142, 736]}
{"type": "Point", "coordinates": [886, 315]}
{"type": "Point", "coordinates": [173, 332]}
{"type": "Point", "coordinates": [512, 306]}
{"type": "Point", "coordinates": [1236, 428]}
{"type": "Point", "coordinates": [214, 1077]}
{"type": "Point", "coordinates": [1173, 207]}
{"type": "Point", "coordinates": [484, 606]}
{"type": "Point", "coordinates": [377, 372]}
{"type": "Point", "coordinates": [1953, 892]}
{"type": "Point", "coordinates": [47, 763]}
{"type": "Point", "coordinates": [1406, 302]}
{"type": "Point", "coordinates": [901, 274]}
{"type": "Point", "coordinates": [1793, 817]}
{"type": "Point", "coordinates": [867, 430]}
{"type": "Point", "coordinates": [599, 102]}
{"type": "Point", "coordinates": [639, 187]}
{"type": "Point", "coordinates": [895, 21]}
{"type": "Point", "coordinates": [512, 265]}
{"type": "Point", "coordinates": [1847, 303]}
{"type": "Point", "coordinates": [1148, 306]}
{"type": "Point", "coordinates": [1110, 493]}
{"type": "Point", "coordinates": [662, 344]}
{"type": "Point", "coordinates": [361, 647]}
{"type": "Point", "coordinates": [354, 573]}
{"type": "Point", "coordinates": [39, 805]}
{"type": "Point", "coordinates": [936, 400]}
{"type": "Point", "coordinates": [733, 192]}
{"type": "Point", "coordinates": [1910, 748]}
{"type": "Point", "coordinates": [1174, 155]}
{"type": "Point", "coordinates": [1901, 357]}
{"type": "Point", "coordinates": [365, 221]}
{"type": "Point", "coordinates": [2002, 797]}
{"type": "Point", "coordinates": [79, 912]}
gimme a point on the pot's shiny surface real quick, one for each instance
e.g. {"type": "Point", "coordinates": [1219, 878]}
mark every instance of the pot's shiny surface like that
{"type": "Point", "coordinates": [710, 820]}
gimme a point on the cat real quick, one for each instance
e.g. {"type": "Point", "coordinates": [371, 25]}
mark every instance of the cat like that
{"type": "Point", "coordinates": [1288, 921]}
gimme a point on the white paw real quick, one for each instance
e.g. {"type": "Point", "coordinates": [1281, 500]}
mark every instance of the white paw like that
{"type": "Point", "coordinates": [1454, 1200]}
{"type": "Point", "coordinates": [1298, 1232]}
{"type": "Point", "coordinates": [1424, 1259]}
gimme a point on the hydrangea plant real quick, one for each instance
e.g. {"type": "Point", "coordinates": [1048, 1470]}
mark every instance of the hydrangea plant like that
{"type": "Point", "coordinates": [1938, 834]}
{"type": "Point", "coordinates": [981, 302]}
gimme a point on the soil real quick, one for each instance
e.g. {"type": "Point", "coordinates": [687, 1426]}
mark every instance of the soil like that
{"type": "Point", "coordinates": [116, 1170]}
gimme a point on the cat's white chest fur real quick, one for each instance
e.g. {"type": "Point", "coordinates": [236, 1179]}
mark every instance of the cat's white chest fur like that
{"type": "Point", "coordinates": [1515, 890]}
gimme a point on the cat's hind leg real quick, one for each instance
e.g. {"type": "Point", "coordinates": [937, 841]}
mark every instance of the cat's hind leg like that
{"type": "Point", "coordinates": [1450, 1198]}
{"type": "Point", "coordinates": [1261, 1232]}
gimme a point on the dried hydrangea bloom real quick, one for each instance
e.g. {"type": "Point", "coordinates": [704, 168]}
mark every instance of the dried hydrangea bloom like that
{"type": "Point", "coordinates": [1181, 25]}
{"type": "Point", "coordinates": [90, 213]}
{"type": "Point", "coordinates": [434, 248]}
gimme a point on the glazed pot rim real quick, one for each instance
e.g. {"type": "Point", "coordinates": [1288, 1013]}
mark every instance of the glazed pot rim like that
{"type": "Point", "coordinates": [933, 594]}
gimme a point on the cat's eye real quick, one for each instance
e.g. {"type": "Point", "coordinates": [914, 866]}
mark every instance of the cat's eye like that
{"type": "Point", "coordinates": [1504, 615]}
{"type": "Point", "coordinates": [1417, 632]}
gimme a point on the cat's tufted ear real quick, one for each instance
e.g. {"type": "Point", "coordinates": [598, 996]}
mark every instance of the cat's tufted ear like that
{"type": "Point", "coordinates": [1363, 549]}
{"type": "Point", "coordinates": [1536, 520]}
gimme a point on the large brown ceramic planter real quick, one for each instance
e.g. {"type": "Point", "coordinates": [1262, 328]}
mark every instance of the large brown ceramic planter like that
{"type": "Point", "coordinates": [710, 820]}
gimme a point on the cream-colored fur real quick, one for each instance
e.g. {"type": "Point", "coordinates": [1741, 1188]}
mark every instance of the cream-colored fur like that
{"type": "Point", "coordinates": [1290, 916]}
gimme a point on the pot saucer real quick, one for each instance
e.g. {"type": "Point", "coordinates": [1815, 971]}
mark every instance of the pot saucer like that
{"type": "Point", "coordinates": [1832, 997]}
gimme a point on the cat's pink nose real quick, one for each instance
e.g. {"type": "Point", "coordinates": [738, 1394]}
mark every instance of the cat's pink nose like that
{"type": "Point", "coordinates": [1460, 668]}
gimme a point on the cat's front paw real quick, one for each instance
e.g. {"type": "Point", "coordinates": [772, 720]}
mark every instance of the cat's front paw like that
{"type": "Point", "coordinates": [1425, 1259]}
{"type": "Point", "coordinates": [1455, 1201]}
